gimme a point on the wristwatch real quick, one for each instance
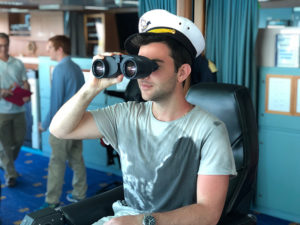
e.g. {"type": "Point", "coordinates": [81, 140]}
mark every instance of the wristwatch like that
{"type": "Point", "coordinates": [149, 220]}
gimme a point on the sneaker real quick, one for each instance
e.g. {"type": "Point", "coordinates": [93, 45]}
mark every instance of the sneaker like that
{"type": "Point", "coordinates": [11, 182]}
{"type": "Point", "coordinates": [71, 198]}
{"type": "Point", "coordinates": [49, 205]}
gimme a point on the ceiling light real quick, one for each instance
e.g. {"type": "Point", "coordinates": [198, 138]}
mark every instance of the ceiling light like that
{"type": "Point", "coordinates": [11, 3]}
{"type": "Point", "coordinates": [49, 7]}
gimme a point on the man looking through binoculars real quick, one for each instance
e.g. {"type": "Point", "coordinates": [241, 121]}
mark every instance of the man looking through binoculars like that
{"type": "Point", "coordinates": [173, 154]}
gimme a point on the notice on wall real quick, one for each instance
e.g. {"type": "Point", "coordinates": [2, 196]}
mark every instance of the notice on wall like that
{"type": "Point", "coordinates": [287, 50]}
{"type": "Point", "coordinates": [279, 94]}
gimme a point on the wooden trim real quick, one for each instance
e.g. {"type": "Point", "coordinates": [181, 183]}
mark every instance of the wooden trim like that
{"type": "Point", "coordinates": [109, 39]}
{"type": "Point", "coordinates": [199, 14]}
{"type": "Point", "coordinates": [185, 9]}
{"type": "Point", "coordinates": [31, 66]}
{"type": "Point", "coordinates": [297, 96]}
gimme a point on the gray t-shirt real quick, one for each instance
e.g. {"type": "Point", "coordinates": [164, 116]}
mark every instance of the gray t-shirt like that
{"type": "Point", "coordinates": [160, 160]}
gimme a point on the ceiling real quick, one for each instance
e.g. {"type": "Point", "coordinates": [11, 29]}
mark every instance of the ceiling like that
{"type": "Point", "coordinates": [279, 3]}
{"type": "Point", "coordinates": [21, 5]}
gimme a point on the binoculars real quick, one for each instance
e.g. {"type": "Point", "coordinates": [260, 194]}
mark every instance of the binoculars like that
{"type": "Point", "coordinates": [132, 66]}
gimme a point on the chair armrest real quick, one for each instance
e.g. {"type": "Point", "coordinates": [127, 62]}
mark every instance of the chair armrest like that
{"type": "Point", "coordinates": [92, 209]}
{"type": "Point", "coordinates": [238, 219]}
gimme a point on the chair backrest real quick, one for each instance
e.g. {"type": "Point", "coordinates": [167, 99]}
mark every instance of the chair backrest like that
{"type": "Point", "coordinates": [233, 105]}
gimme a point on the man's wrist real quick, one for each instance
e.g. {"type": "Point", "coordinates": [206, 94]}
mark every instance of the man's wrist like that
{"type": "Point", "coordinates": [88, 92]}
{"type": "Point", "coordinates": [149, 220]}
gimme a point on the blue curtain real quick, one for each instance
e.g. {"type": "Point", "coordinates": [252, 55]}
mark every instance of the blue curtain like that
{"type": "Point", "coordinates": [231, 30]}
{"type": "Point", "coordinates": [73, 28]}
{"type": "Point", "coordinates": [146, 5]}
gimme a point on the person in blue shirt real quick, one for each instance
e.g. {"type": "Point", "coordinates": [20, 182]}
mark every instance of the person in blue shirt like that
{"type": "Point", "coordinates": [67, 79]}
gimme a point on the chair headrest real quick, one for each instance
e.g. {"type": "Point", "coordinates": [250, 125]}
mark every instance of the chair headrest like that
{"type": "Point", "coordinates": [220, 100]}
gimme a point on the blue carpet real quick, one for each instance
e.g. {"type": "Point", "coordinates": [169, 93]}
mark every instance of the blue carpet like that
{"type": "Point", "coordinates": [29, 194]}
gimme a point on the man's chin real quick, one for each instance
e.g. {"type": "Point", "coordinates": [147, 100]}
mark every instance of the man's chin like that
{"type": "Point", "coordinates": [146, 98]}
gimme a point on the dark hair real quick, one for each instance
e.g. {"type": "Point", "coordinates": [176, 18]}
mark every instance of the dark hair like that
{"type": "Point", "coordinates": [179, 53]}
{"type": "Point", "coordinates": [5, 36]}
{"type": "Point", "coordinates": [61, 41]}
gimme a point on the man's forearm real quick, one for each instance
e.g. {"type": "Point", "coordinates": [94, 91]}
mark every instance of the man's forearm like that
{"type": "Point", "coordinates": [72, 121]}
{"type": "Point", "coordinates": [71, 113]}
{"type": "Point", "coordinates": [195, 214]}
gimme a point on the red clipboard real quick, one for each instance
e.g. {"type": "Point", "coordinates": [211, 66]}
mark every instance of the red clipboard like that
{"type": "Point", "coordinates": [18, 95]}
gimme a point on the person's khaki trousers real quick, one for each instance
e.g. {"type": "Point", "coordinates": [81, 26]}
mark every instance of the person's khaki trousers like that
{"type": "Point", "coordinates": [62, 151]}
{"type": "Point", "coordinates": [12, 135]}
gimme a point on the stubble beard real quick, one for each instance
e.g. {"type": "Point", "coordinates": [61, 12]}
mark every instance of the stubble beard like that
{"type": "Point", "coordinates": [162, 94]}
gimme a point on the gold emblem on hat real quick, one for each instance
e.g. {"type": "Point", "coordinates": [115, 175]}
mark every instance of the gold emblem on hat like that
{"type": "Point", "coordinates": [162, 31]}
{"type": "Point", "coordinates": [144, 24]}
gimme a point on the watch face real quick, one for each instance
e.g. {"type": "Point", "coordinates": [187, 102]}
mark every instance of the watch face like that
{"type": "Point", "coordinates": [149, 220]}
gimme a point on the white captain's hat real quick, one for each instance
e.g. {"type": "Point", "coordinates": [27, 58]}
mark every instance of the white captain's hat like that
{"type": "Point", "coordinates": [162, 22]}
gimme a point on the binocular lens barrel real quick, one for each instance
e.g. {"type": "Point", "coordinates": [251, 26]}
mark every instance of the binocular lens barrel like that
{"type": "Point", "coordinates": [130, 69]}
{"type": "Point", "coordinates": [107, 67]}
{"type": "Point", "coordinates": [99, 68]}
{"type": "Point", "coordinates": [132, 66]}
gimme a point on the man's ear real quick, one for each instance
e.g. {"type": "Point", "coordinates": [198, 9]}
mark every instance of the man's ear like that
{"type": "Point", "coordinates": [183, 72]}
{"type": "Point", "coordinates": [60, 49]}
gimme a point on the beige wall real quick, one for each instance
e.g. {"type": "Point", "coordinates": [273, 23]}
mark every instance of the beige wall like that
{"type": "Point", "coordinates": [44, 24]}
{"type": "Point", "coordinates": [4, 22]}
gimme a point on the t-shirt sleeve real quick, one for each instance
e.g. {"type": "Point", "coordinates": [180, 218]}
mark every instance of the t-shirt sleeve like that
{"type": "Point", "coordinates": [106, 121]}
{"type": "Point", "coordinates": [216, 153]}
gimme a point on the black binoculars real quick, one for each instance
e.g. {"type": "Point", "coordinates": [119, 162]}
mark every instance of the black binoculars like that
{"type": "Point", "coordinates": [132, 66]}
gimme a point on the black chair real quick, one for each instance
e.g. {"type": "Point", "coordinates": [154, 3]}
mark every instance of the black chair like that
{"type": "Point", "coordinates": [233, 105]}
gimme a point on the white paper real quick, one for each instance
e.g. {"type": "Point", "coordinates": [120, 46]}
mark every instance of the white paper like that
{"type": "Point", "coordinates": [279, 94]}
{"type": "Point", "coordinates": [287, 50]}
{"type": "Point", "coordinates": [298, 96]}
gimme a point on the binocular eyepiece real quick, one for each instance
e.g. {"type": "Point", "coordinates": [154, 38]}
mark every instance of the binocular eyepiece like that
{"type": "Point", "coordinates": [132, 66]}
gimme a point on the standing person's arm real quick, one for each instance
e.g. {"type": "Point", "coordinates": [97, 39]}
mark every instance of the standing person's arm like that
{"type": "Point", "coordinates": [26, 86]}
{"type": "Point", "coordinates": [25, 83]}
{"type": "Point", "coordinates": [72, 121]}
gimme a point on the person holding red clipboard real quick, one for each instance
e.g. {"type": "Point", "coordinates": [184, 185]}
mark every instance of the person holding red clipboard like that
{"type": "Point", "coordinates": [14, 92]}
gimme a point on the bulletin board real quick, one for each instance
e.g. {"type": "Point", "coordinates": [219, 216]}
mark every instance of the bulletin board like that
{"type": "Point", "coordinates": [282, 94]}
